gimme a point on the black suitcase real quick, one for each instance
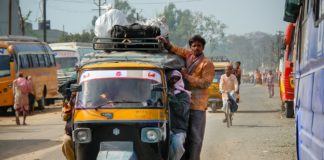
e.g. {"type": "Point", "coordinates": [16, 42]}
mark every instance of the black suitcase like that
{"type": "Point", "coordinates": [135, 31]}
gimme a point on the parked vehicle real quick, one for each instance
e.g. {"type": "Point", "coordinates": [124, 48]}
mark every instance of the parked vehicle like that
{"type": "Point", "coordinates": [286, 77]}
{"type": "Point", "coordinates": [309, 76]}
{"type": "Point", "coordinates": [32, 58]}
{"type": "Point", "coordinates": [215, 97]}
{"type": "Point", "coordinates": [121, 104]}
{"type": "Point", "coordinates": [67, 56]}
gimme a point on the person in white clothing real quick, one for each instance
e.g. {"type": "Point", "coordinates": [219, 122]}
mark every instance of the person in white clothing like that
{"type": "Point", "coordinates": [228, 84]}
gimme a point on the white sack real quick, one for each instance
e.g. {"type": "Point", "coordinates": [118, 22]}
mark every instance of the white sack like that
{"type": "Point", "coordinates": [106, 21]}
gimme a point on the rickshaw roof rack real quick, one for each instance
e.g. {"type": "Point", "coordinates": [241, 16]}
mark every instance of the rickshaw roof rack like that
{"type": "Point", "coordinates": [127, 44]}
{"type": "Point", "coordinates": [219, 59]}
{"type": "Point", "coordinates": [162, 59]}
{"type": "Point", "coordinates": [19, 38]}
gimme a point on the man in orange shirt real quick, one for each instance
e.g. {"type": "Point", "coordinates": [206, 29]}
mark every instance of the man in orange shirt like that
{"type": "Point", "coordinates": [199, 74]}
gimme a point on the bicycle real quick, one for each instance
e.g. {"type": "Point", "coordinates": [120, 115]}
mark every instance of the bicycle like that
{"type": "Point", "coordinates": [228, 112]}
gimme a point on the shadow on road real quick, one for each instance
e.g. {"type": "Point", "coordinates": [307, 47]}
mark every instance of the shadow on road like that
{"type": "Point", "coordinates": [46, 110]}
{"type": "Point", "coordinates": [9, 148]}
{"type": "Point", "coordinates": [249, 111]}
{"type": "Point", "coordinates": [258, 111]}
{"type": "Point", "coordinates": [254, 126]}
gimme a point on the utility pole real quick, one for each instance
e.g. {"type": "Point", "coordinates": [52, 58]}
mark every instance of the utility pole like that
{"type": "Point", "coordinates": [99, 4]}
{"type": "Point", "coordinates": [10, 17]}
{"type": "Point", "coordinates": [63, 33]}
{"type": "Point", "coordinates": [44, 20]}
{"type": "Point", "coordinates": [99, 8]}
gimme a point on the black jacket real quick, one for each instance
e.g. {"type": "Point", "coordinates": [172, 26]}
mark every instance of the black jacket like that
{"type": "Point", "coordinates": [179, 112]}
{"type": "Point", "coordinates": [68, 127]}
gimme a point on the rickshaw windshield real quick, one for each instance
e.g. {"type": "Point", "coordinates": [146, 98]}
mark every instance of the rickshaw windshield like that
{"type": "Point", "coordinates": [120, 88]}
{"type": "Point", "coordinates": [218, 74]}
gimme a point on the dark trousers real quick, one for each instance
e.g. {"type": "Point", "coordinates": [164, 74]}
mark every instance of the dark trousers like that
{"type": "Point", "coordinates": [196, 131]}
{"type": "Point", "coordinates": [31, 99]}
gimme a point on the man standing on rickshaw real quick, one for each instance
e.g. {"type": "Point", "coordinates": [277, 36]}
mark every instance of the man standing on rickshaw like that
{"type": "Point", "coordinates": [199, 74]}
{"type": "Point", "coordinates": [179, 101]}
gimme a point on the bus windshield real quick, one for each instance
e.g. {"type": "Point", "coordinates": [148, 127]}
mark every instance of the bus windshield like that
{"type": "Point", "coordinates": [122, 89]}
{"type": "Point", "coordinates": [84, 51]}
{"type": "Point", "coordinates": [66, 62]}
{"type": "Point", "coordinates": [218, 74]}
{"type": "Point", "coordinates": [4, 65]}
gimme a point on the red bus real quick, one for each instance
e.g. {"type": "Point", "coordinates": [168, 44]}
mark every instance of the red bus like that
{"type": "Point", "coordinates": [286, 77]}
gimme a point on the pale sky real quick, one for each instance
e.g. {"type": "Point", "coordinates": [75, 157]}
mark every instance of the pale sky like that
{"type": "Point", "coordinates": [240, 16]}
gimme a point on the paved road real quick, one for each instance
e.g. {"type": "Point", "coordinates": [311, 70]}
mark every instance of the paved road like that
{"type": "Point", "coordinates": [259, 131]}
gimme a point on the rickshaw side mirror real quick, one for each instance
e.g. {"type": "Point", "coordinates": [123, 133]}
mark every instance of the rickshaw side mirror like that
{"type": "Point", "coordinates": [75, 88]}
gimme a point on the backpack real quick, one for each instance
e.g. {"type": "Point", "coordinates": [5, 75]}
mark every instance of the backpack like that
{"type": "Point", "coordinates": [22, 85]}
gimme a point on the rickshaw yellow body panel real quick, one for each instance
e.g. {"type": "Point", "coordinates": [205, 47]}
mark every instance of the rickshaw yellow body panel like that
{"type": "Point", "coordinates": [213, 90]}
{"type": "Point", "coordinates": [120, 114]}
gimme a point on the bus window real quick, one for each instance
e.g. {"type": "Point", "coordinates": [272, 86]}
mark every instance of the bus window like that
{"type": "Point", "coordinates": [4, 65]}
{"type": "Point", "coordinates": [291, 47]}
{"type": "Point", "coordinates": [84, 51]}
{"type": "Point", "coordinates": [34, 60]}
{"type": "Point", "coordinates": [52, 59]}
{"type": "Point", "coordinates": [24, 62]}
{"type": "Point", "coordinates": [47, 60]}
{"type": "Point", "coordinates": [41, 60]}
{"type": "Point", "coordinates": [316, 11]}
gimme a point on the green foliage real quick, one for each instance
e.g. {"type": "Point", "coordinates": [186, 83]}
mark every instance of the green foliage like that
{"type": "Point", "coordinates": [183, 24]}
{"type": "Point", "coordinates": [253, 50]}
{"type": "Point", "coordinates": [83, 37]}
{"type": "Point", "coordinates": [131, 13]}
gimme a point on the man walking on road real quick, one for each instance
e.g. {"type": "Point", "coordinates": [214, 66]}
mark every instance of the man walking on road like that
{"type": "Point", "coordinates": [270, 84]}
{"type": "Point", "coordinates": [199, 74]}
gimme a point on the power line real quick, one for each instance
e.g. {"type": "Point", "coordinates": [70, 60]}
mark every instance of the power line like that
{"type": "Point", "coordinates": [165, 2]}
{"type": "Point", "coordinates": [73, 1]}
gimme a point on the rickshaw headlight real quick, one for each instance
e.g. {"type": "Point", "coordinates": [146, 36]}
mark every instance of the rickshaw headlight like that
{"type": "Point", "coordinates": [82, 135]}
{"type": "Point", "coordinates": [151, 135]}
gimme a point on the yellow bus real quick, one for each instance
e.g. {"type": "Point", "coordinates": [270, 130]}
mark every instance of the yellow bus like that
{"type": "Point", "coordinates": [32, 58]}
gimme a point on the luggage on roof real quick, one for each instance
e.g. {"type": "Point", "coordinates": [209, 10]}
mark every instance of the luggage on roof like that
{"type": "Point", "coordinates": [162, 59]}
{"type": "Point", "coordinates": [127, 44]}
{"type": "Point", "coordinates": [144, 33]}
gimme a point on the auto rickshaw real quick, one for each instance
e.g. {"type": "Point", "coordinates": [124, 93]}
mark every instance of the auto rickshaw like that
{"type": "Point", "coordinates": [215, 97]}
{"type": "Point", "coordinates": [121, 109]}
